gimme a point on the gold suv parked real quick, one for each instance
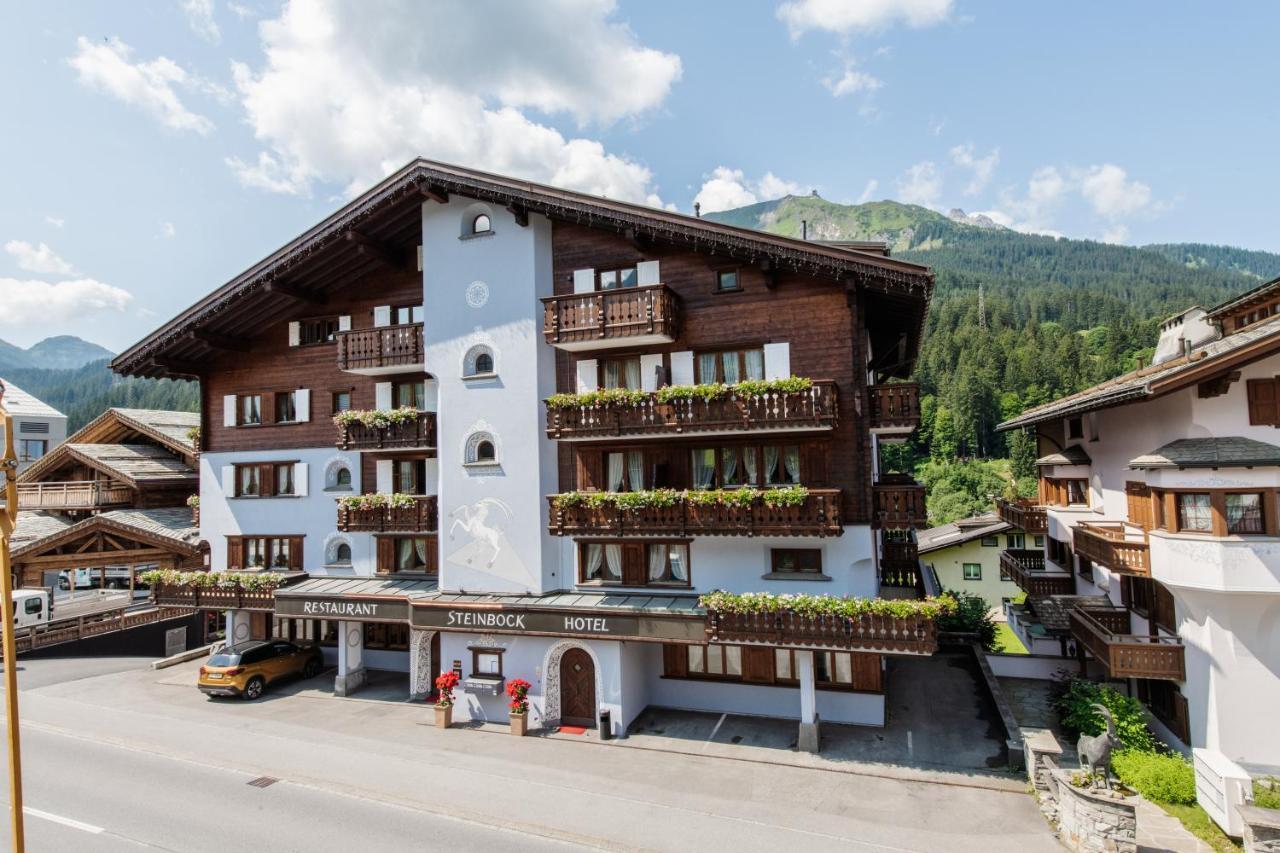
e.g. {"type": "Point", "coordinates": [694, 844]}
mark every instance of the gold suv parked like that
{"type": "Point", "coordinates": [245, 669]}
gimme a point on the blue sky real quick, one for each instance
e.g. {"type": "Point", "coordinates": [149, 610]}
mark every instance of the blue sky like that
{"type": "Point", "coordinates": [151, 150]}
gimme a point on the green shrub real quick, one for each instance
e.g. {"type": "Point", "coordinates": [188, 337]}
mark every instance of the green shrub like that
{"type": "Point", "coordinates": [1075, 709]}
{"type": "Point", "coordinates": [825, 605]}
{"type": "Point", "coordinates": [972, 616]}
{"type": "Point", "coordinates": [1266, 792]}
{"type": "Point", "coordinates": [1161, 777]}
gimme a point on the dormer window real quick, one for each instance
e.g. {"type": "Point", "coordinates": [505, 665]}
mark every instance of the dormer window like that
{"type": "Point", "coordinates": [481, 224]}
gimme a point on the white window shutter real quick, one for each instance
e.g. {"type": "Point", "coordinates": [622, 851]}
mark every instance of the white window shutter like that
{"type": "Point", "coordinates": [228, 481]}
{"type": "Point", "coordinates": [295, 333]}
{"type": "Point", "coordinates": [383, 478]}
{"type": "Point", "coordinates": [229, 410]}
{"type": "Point", "coordinates": [300, 483]}
{"type": "Point", "coordinates": [382, 315]}
{"type": "Point", "coordinates": [302, 404]}
{"type": "Point", "coordinates": [419, 259]}
{"type": "Point", "coordinates": [647, 273]}
{"type": "Point", "coordinates": [650, 371]}
{"type": "Point", "coordinates": [584, 281]}
{"type": "Point", "coordinates": [777, 361]}
{"type": "Point", "coordinates": [682, 368]}
{"type": "Point", "coordinates": [382, 395]}
{"type": "Point", "coordinates": [432, 390]}
{"type": "Point", "coordinates": [344, 322]}
{"type": "Point", "coordinates": [432, 485]}
{"type": "Point", "coordinates": [588, 375]}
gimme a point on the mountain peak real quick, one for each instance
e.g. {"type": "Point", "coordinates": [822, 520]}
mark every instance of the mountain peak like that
{"type": "Point", "coordinates": [977, 220]}
{"type": "Point", "coordinates": [59, 352]}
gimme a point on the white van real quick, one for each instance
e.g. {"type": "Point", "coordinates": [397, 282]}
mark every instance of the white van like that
{"type": "Point", "coordinates": [31, 608]}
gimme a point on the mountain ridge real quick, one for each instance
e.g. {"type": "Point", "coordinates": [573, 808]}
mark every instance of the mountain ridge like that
{"type": "Point", "coordinates": [57, 352]}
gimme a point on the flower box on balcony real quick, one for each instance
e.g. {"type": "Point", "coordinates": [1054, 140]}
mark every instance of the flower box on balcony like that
{"type": "Point", "coordinates": [791, 511]}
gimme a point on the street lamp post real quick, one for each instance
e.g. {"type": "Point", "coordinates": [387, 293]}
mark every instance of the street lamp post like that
{"type": "Point", "coordinates": [8, 517]}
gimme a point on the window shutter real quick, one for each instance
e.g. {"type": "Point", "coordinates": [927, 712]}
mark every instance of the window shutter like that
{"type": "Point", "coordinates": [344, 322]}
{"type": "Point", "coordinates": [386, 554]}
{"type": "Point", "coordinates": [382, 315]}
{"type": "Point", "coordinates": [588, 375]}
{"type": "Point", "coordinates": [1138, 496]}
{"type": "Point", "coordinates": [235, 552]}
{"type": "Point", "coordinates": [867, 672]}
{"type": "Point", "coordinates": [635, 564]}
{"type": "Point", "coordinates": [228, 481]}
{"type": "Point", "coordinates": [300, 484]}
{"type": "Point", "coordinates": [584, 281]}
{"type": "Point", "coordinates": [302, 404]}
{"type": "Point", "coordinates": [757, 664]}
{"type": "Point", "coordinates": [813, 470]}
{"type": "Point", "coordinates": [590, 472]}
{"type": "Point", "coordinates": [295, 334]}
{"type": "Point", "coordinates": [295, 552]}
{"type": "Point", "coordinates": [651, 371]}
{"type": "Point", "coordinates": [229, 410]}
{"type": "Point", "coordinates": [647, 273]}
{"type": "Point", "coordinates": [682, 368]}
{"type": "Point", "coordinates": [777, 361]}
{"type": "Point", "coordinates": [675, 661]}
{"type": "Point", "coordinates": [382, 479]}
{"type": "Point", "coordinates": [382, 395]}
{"type": "Point", "coordinates": [1263, 408]}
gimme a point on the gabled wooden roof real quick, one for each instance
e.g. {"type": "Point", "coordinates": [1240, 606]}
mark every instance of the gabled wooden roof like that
{"type": "Point", "coordinates": [169, 529]}
{"type": "Point", "coordinates": [127, 429]}
{"type": "Point", "coordinates": [384, 225]}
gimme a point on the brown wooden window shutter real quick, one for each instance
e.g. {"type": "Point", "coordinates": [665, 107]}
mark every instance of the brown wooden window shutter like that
{"type": "Point", "coordinates": [295, 552]}
{"type": "Point", "coordinates": [867, 672]}
{"type": "Point", "coordinates": [675, 661]}
{"type": "Point", "coordinates": [757, 664]}
{"type": "Point", "coordinates": [1138, 496]}
{"type": "Point", "coordinates": [235, 553]}
{"type": "Point", "coordinates": [386, 553]}
{"type": "Point", "coordinates": [1264, 402]}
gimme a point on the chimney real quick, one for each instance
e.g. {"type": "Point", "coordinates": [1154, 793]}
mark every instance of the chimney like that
{"type": "Point", "coordinates": [697, 209]}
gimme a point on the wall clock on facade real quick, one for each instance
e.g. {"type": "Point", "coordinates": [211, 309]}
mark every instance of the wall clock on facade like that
{"type": "Point", "coordinates": [477, 294]}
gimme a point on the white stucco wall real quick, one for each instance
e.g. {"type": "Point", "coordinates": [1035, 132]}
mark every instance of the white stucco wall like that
{"type": "Point", "coordinates": [949, 565]}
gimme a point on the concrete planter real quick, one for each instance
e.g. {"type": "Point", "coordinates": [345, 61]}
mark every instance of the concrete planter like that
{"type": "Point", "coordinates": [1261, 829]}
{"type": "Point", "coordinates": [1094, 820]}
{"type": "Point", "coordinates": [444, 716]}
{"type": "Point", "coordinates": [519, 724]}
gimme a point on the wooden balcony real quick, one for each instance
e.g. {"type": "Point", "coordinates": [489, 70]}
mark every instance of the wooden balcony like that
{"type": "Point", "coordinates": [1026, 515]}
{"type": "Point", "coordinates": [384, 349]}
{"type": "Point", "coordinates": [895, 408]}
{"type": "Point", "coordinates": [75, 494]}
{"type": "Point", "coordinates": [1105, 633]}
{"type": "Point", "coordinates": [628, 316]}
{"type": "Point", "coordinates": [1118, 547]}
{"type": "Point", "coordinates": [819, 515]}
{"type": "Point", "coordinates": [899, 501]}
{"type": "Point", "coordinates": [893, 634]}
{"type": "Point", "coordinates": [419, 518]}
{"type": "Point", "coordinates": [899, 552]}
{"type": "Point", "coordinates": [1026, 569]}
{"type": "Point", "coordinates": [213, 598]}
{"type": "Point", "coordinates": [419, 433]}
{"type": "Point", "coordinates": [813, 409]}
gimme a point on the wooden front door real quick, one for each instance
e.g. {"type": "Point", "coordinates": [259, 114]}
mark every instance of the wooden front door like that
{"type": "Point", "coordinates": [577, 689]}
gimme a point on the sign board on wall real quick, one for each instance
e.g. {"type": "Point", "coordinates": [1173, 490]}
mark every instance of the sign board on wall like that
{"type": "Point", "coordinates": [344, 609]}
{"type": "Point", "coordinates": [560, 624]}
{"type": "Point", "coordinates": [175, 641]}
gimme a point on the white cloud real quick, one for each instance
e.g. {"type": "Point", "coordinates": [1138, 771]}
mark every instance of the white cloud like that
{"type": "Point", "coordinates": [981, 167]}
{"type": "Point", "coordinates": [200, 18]}
{"type": "Point", "coordinates": [55, 221]}
{"type": "Point", "coordinates": [921, 184]}
{"type": "Point", "coordinates": [851, 81]}
{"type": "Point", "coordinates": [29, 301]}
{"type": "Point", "coordinates": [1112, 194]}
{"type": "Point", "coordinates": [345, 96]}
{"type": "Point", "coordinates": [37, 258]}
{"type": "Point", "coordinates": [167, 230]}
{"type": "Point", "coordinates": [847, 16]}
{"type": "Point", "coordinates": [1116, 234]}
{"type": "Point", "coordinates": [936, 126]}
{"type": "Point", "coordinates": [148, 86]}
{"type": "Point", "coordinates": [729, 188]}
{"type": "Point", "coordinates": [868, 191]}
{"type": "Point", "coordinates": [242, 11]}
{"type": "Point", "coordinates": [1106, 189]}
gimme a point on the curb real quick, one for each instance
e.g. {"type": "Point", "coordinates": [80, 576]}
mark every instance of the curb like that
{"type": "Point", "coordinates": [164, 663]}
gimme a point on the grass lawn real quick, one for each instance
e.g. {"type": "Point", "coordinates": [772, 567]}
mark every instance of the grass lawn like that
{"type": "Point", "coordinates": [1199, 824]}
{"type": "Point", "coordinates": [1007, 641]}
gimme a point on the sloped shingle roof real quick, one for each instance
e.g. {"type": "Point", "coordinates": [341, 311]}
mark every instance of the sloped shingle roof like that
{"type": "Point", "coordinates": [1073, 455]}
{"type": "Point", "coordinates": [135, 462]}
{"type": "Point", "coordinates": [1225, 452]}
{"type": "Point", "coordinates": [959, 532]}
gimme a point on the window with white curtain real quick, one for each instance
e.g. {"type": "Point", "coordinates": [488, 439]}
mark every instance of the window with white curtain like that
{"type": "Point", "coordinates": [634, 563]}
{"type": "Point", "coordinates": [620, 373]}
{"type": "Point", "coordinates": [624, 471]}
{"type": "Point", "coordinates": [729, 366]}
{"type": "Point", "coordinates": [704, 468]}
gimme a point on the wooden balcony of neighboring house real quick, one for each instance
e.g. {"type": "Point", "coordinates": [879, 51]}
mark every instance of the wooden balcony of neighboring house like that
{"type": "Point", "coordinates": [413, 434]}
{"type": "Point", "coordinates": [382, 349]}
{"type": "Point", "coordinates": [817, 515]}
{"type": "Point", "coordinates": [420, 517]}
{"type": "Point", "coordinates": [1027, 516]}
{"type": "Point", "coordinates": [626, 316]}
{"type": "Point", "coordinates": [1119, 546]}
{"type": "Point", "coordinates": [892, 634]}
{"type": "Point", "coordinates": [899, 501]}
{"type": "Point", "coordinates": [74, 495]}
{"type": "Point", "coordinates": [797, 411]}
{"type": "Point", "coordinates": [1104, 632]}
{"type": "Point", "coordinates": [1026, 568]}
{"type": "Point", "coordinates": [895, 409]}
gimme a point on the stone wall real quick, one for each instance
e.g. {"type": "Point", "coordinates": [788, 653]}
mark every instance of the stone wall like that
{"type": "Point", "coordinates": [1043, 755]}
{"type": "Point", "coordinates": [1261, 829]}
{"type": "Point", "coordinates": [1090, 820]}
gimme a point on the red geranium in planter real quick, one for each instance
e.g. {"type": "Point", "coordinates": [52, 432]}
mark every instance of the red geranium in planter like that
{"type": "Point", "coordinates": [445, 682]}
{"type": "Point", "coordinates": [518, 690]}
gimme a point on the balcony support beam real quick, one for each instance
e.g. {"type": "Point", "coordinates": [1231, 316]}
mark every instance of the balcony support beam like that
{"type": "Point", "coordinates": [227, 343]}
{"type": "Point", "coordinates": [291, 291]}
{"type": "Point", "coordinates": [376, 250]}
{"type": "Point", "coordinates": [519, 214]}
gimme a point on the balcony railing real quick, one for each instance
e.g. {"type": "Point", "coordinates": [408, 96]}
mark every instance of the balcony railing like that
{"type": "Point", "coordinates": [421, 517]}
{"type": "Point", "coordinates": [417, 433]}
{"type": "Point", "coordinates": [903, 635]}
{"type": "Point", "coordinates": [1025, 515]}
{"type": "Point", "coordinates": [894, 551]}
{"type": "Point", "coordinates": [213, 598]}
{"type": "Point", "coordinates": [896, 407]}
{"type": "Point", "coordinates": [380, 350]}
{"type": "Point", "coordinates": [814, 408]}
{"type": "Point", "coordinates": [1113, 546]}
{"type": "Point", "coordinates": [76, 494]}
{"type": "Point", "coordinates": [818, 515]}
{"type": "Point", "coordinates": [1105, 634]}
{"type": "Point", "coordinates": [605, 318]}
{"type": "Point", "coordinates": [899, 502]}
{"type": "Point", "coordinates": [1026, 569]}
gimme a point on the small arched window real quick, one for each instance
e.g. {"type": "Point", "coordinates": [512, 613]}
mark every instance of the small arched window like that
{"type": "Point", "coordinates": [485, 452]}
{"type": "Point", "coordinates": [481, 224]}
{"type": "Point", "coordinates": [481, 449]}
{"type": "Point", "coordinates": [478, 362]}
{"type": "Point", "coordinates": [484, 363]}
{"type": "Point", "coordinates": [342, 554]}
{"type": "Point", "coordinates": [343, 478]}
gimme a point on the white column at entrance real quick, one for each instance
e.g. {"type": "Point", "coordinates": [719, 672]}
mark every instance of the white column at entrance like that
{"type": "Point", "coordinates": [238, 627]}
{"type": "Point", "coordinates": [350, 658]}
{"type": "Point", "coordinates": [808, 741]}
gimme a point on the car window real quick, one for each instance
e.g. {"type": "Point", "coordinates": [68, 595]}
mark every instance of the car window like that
{"type": "Point", "coordinates": [32, 605]}
{"type": "Point", "coordinates": [257, 655]}
{"type": "Point", "coordinates": [282, 648]}
{"type": "Point", "coordinates": [224, 659]}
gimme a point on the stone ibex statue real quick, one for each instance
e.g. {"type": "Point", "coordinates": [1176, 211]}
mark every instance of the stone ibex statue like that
{"type": "Point", "coordinates": [1094, 751]}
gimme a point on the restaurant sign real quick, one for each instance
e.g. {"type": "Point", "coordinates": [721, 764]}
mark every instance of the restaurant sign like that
{"type": "Point", "coordinates": [344, 609]}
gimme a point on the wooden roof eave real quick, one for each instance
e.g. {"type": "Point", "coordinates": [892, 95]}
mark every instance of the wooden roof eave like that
{"type": "Point", "coordinates": [67, 534]}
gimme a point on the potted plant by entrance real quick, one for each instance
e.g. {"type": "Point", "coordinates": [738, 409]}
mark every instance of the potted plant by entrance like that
{"type": "Point", "coordinates": [445, 682]}
{"type": "Point", "coordinates": [518, 690]}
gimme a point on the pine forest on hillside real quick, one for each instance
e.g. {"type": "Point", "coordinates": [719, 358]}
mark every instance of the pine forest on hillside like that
{"type": "Point", "coordinates": [86, 392]}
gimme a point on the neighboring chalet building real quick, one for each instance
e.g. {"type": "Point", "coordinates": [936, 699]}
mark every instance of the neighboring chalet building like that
{"type": "Point", "coordinates": [1158, 500]}
{"type": "Point", "coordinates": [965, 556]}
{"type": "Point", "coordinates": [110, 502]}
{"type": "Point", "coordinates": [462, 512]}
{"type": "Point", "coordinates": [37, 426]}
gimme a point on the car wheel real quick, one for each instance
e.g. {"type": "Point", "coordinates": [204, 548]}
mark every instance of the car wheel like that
{"type": "Point", "coordinates": [253, 689]}
{"type": "Point", "coordinates": [311, 669]}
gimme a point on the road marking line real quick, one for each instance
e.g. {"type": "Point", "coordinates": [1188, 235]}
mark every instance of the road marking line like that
{"type": "Point", "coordinates": [712, 736]}
{"type": "Point", "coordinates": [65, 821]}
